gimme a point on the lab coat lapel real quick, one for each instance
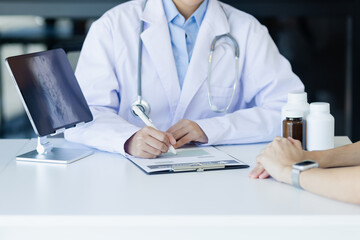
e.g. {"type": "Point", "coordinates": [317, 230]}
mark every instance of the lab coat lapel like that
{"type": "Point", "coordinates": [215, 23]}
{"type": "Point", "coordinates": [157, 42]}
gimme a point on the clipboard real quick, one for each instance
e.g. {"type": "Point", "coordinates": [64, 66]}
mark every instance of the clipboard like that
{"type": "Point", "coordinates": [189, 159]}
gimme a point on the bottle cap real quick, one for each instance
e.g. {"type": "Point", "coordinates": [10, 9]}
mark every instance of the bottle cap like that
{"type": "Point", "coordinates": [320, 107]}
{"type": "Point", "coordinates": [293, 114]}
{"type": "Point", "coordinates": [297, 97]}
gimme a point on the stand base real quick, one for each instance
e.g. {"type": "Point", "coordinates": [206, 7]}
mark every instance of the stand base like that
{"type": "Point", "coordinates": [55, 155]}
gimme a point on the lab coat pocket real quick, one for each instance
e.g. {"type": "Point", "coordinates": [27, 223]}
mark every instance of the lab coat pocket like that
{"type": "Point", "coordinates": [220, 96]}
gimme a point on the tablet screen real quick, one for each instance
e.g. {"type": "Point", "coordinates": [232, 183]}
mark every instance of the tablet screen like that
{"type": "Point", "coordinates": [51, 94]}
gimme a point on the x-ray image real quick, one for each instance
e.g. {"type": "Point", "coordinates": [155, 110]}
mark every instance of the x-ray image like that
{"type": "Point", "coordinates": [50, 91]}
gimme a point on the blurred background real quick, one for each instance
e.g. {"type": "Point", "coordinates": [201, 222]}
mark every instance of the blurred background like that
{"type": "Point", "coordinates": [321, 39]}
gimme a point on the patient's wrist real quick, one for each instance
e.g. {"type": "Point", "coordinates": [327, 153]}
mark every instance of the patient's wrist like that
{"type": "Point", "coordinates": [308, 155]}
{"type": "Point", "coordinates": [307, 177]}
{"type": "Point", "coordinates": [287, 175]}
{"type": "Point", "coordinates": [316, 156]}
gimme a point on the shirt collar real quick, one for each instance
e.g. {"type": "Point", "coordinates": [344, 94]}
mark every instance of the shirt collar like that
{"type": "Point", "coordinates": [171, 11]}
{"type": "Point", "coordinates": [200, 12]}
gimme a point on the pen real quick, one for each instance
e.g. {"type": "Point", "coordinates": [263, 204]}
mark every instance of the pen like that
{"type": "Point", "coordinates": [148, 122]}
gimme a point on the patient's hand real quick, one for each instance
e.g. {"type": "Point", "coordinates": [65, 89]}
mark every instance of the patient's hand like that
{"type": "Point", "coordinates": [277, 159]}
{"type": "Point", "coordinates": [259, 172]}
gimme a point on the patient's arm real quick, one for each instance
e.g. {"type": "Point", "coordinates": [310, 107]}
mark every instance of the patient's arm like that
{"type": "Point", "coordinates": [348, 155]}
{"type": "Point", "coordinates": [345, 156]}
{"type": "Point", "coordinates": [342, 183]}
{"type": "Point", "coordinates": [338, 183]}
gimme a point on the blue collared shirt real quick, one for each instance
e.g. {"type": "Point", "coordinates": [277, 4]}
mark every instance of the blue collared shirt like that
{"type": "Point", "coordinates": [183, 34]}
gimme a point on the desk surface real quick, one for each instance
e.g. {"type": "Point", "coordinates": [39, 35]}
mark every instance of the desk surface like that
{"type": "Point", "coordinates": [109, 184]}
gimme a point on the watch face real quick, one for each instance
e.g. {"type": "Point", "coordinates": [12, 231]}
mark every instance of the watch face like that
{"type": "Point", "coordinates": [304, 163]}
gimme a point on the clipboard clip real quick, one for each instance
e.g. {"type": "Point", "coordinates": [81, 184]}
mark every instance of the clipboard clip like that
{"type": "Point", "coordinates": [198, 167]}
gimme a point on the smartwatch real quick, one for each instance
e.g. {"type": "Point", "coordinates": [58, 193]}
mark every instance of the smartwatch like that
{"type": "Point", "coordinates": [300, 167]}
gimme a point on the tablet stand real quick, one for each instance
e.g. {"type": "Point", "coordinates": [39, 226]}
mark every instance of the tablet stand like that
{"type": "Point", "coordinates": [49, 83]}
{"type": "Point", "coordinates": [45, 152]}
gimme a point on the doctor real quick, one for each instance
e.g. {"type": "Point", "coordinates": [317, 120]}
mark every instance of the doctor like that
{"type": "Point", "coordinates": [227, 103]}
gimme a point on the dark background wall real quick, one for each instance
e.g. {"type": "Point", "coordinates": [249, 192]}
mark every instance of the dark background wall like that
{"type": "Point", "coordinates": [320, 38]}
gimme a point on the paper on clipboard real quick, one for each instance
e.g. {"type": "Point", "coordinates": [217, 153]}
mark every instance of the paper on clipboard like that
{"type": "Point", "coordinates": [190, 158]}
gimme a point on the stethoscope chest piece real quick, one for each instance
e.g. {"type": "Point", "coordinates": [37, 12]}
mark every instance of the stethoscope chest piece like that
{"type": "Point", "coordinates": [143, 105]}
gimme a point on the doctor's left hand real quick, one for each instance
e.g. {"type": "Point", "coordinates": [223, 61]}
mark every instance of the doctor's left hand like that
{"type": "Point", "coordinates": [185, 131]}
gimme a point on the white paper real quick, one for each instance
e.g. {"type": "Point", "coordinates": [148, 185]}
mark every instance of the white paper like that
{"type": "Point", "coordinates": [186, 156]}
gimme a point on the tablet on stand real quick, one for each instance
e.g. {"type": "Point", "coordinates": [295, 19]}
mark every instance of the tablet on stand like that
{"type": "Point", "coordinates": [53, 101]}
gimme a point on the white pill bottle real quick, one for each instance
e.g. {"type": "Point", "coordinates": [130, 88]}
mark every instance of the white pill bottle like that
{"type": "Point", "coordinates": [320, 127]}
{"type": "Point", "coordinates": [297, 101]}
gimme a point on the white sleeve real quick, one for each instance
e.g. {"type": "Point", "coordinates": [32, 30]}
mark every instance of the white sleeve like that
{"type": "Point", "coordinates": [97, 78]}
{"type": "Point", "coordinates": [266, 80]}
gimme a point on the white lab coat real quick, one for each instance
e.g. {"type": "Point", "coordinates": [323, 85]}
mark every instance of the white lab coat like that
{"type": "Point", "coordinates": [107, 74]}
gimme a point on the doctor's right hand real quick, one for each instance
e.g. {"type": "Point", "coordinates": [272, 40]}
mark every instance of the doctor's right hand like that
{"type": "Point", "coordinates": [149, 143]}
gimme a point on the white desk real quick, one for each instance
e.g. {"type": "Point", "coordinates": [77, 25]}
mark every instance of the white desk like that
{"type": "Point", "coordinates": [108, 189]}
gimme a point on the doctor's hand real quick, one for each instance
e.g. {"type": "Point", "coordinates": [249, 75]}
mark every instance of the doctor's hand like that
{"type": "Point", "coordinates": [149, 143]}
{"type": "Point", "coordinates": [185, 131]}
{"type": "Point", "coordinates": [279, 156]}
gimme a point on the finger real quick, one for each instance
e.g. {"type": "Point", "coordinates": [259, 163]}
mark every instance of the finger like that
{"type": "Point", "coordinates": [148, 138]}
{"type": "Point", "coordinates": [257, 171]}
{"type": "Point", "coordinates": [151, 150]}
{"type": "Point", "coordinates": [180, 133]}
{"type": "Point", "coordinates": [171, 138]}
{"type": "Point", "coordinates": [276, 143]}
{"type": "Point", "coordinates": [296, 143]}
{"type": "Point", "coordinates": [184, 140]}
{"type": "Point", "coordinates": [159, 135]}
{"type": "Point", "coordinates": [277, 138]}
{"type": "Point", "coordinates": [291, 140]}
{"type": "Point", "coordinates": [146, 155]}
{"type": "Point", "coordinates": [264, 175]}
{"type": "Point", "coordinates": [145, 151]}
{"type": "Point", "coordinates": [176, 127]}
{"type": "Point", "coordinates": [156, 144]}
{"type": "Point", "coordinates": [270, 145]}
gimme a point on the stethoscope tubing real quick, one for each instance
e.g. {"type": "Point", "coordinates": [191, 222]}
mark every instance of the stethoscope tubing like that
{"type": "Point", "coordinates": [143, 105]}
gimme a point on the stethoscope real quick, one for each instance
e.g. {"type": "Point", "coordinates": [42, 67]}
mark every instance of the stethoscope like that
{"type": "Point", "coordinates": [145, 106]}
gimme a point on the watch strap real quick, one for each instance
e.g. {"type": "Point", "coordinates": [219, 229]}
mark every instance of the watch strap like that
{"type": "Point", "coordinates": [295, 177]}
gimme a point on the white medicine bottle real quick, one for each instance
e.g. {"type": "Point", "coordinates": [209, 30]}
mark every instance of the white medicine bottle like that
{"type": "Point", "coordinates": [320, 127]}
{"type": "Point", "coordinates": [297, 101]}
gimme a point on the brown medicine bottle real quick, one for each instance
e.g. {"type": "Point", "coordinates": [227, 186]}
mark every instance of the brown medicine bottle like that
{"type": "Point", "coordinates": [293, 126]}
